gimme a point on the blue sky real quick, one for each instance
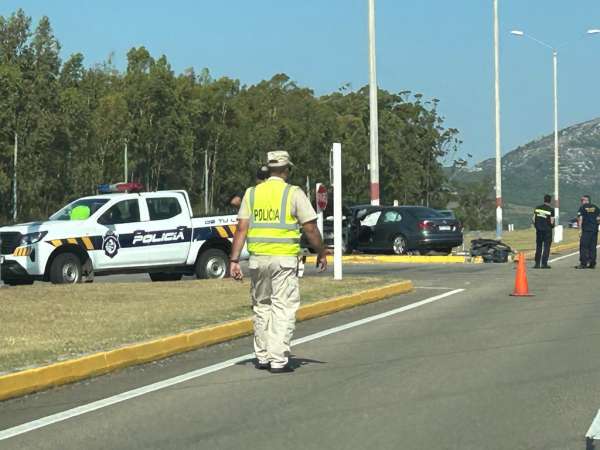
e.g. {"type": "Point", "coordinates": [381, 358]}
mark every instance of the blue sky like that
{"type": "Point", "coordinates": [440, 48]}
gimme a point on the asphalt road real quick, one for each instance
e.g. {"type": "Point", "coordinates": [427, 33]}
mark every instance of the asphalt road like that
{"type": "Point", "coordinates": [467, 368]}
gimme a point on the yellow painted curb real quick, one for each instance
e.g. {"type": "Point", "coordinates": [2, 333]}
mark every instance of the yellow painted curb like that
{"type": "Point", "coordinates": [37, 379]}
{"type": "Point", "coordinates": [413, 259]}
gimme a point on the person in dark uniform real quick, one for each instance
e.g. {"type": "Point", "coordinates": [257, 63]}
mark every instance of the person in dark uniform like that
{"type": "Point", "coordinates": [543, 219]}
{"type": "Point", "coordinates": [587, 219]}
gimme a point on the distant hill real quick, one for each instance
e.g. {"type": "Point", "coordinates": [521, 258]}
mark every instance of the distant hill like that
{"type": "Point", "coordinates": [528, 171]}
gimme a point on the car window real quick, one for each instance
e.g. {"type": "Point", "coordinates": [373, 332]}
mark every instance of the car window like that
{"type": "Point", "coordinates": [446, 213]}
{"type": "Point", "coordinates": [392, 216]}
{"type": "Point", "coordinates": [161, 208]}
{"type": "Point", "coordinates": [94, 204]}
{"type": "Point", "coordinates": [424, 213]}
{"type": "Point", "coordinates": [127, 211]}
{"type": "Point", "coordinates": [370, 220]}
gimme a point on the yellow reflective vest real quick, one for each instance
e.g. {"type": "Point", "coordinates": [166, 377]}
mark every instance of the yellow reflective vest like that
{"type": "Point", "coordinates": [272, 229]}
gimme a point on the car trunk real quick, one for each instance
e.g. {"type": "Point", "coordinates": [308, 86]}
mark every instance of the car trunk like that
{"type": "Point", "coordinates": [440, 226]}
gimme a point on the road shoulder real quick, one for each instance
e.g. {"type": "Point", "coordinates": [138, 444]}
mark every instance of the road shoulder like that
{"type": "Point", "coordinates": [32, 380]}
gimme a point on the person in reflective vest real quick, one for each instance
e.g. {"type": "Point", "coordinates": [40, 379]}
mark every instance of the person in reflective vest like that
{"type": "Point", "coordinates": [269, 222]}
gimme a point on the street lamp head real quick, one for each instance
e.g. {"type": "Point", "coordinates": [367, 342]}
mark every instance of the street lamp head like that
{"type": "Point", "coordinates": [517, 33]}
{"type": "Point", "coordinates": [593, 31]}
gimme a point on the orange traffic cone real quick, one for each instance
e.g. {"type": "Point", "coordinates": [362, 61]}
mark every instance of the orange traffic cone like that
{"type": "Point", "coordinates": [521, 286]}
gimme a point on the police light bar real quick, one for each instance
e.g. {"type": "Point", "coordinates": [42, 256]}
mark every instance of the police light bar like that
{"type": "Point", "coordinates": [120, 188]}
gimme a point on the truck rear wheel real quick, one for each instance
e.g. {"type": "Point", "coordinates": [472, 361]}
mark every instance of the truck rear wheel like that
{"type": "Point", "coordinates": [213, 263]}
{"type": "Point", "coordinates": [66, 269]}
{"type": "Point", "coordinates": [165, 276]}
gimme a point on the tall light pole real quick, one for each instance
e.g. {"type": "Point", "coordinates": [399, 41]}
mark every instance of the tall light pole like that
{"type": "Point", "coordinates": [15, 165]}
{"type": "Point", "coordinates": [373, 129]}
{"type": "Point", "coordinates": [555, 91]}
{"type": "Point", "coordinates": [125, 161]}
{"type": "Point", "coordinates": [497, 104]}
{"type": "Point", "coordinates": [519, 33]}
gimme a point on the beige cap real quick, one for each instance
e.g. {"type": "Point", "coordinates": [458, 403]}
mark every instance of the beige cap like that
{"type": "Point", "coordinates": [279, 158]}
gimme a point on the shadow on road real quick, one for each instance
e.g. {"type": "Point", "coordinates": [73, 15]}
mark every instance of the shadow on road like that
{"type": "Point", "coordinates": [295, 363]}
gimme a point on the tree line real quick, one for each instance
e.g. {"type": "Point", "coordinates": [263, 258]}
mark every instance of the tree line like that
{"type": "Point", "coordinates": [72, 123]}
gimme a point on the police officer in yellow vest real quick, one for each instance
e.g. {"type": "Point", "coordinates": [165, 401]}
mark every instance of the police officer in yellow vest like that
{"type": "Point", "coordinates": [269, 221]}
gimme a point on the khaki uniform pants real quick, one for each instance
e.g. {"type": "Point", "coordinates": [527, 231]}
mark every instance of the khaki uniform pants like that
{"type": "Point", "coordinates": [275, 299]}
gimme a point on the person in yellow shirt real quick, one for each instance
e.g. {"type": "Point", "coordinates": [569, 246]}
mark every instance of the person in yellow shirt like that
{"type": "Point", "coordinates": [269, 221]}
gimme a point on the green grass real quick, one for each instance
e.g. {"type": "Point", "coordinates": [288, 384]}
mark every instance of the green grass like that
{"type": "Point", "coordinates": [45, 323]}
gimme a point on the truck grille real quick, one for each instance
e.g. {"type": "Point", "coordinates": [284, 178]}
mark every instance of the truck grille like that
{"type": "Point", "coordinates": [10, 241]}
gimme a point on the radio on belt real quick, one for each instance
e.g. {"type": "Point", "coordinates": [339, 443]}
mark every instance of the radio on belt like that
{"type": "Point", "coordinates": [120, 188]}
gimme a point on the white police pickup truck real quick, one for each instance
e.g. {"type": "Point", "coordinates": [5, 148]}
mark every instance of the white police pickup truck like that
{"type": "Point", "coordinates": [146, 232]}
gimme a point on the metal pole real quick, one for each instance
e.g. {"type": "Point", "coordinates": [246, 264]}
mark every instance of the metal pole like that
{"type": "Point", "coordinates": [308, 186]}
{"type": "Point", "coordinates": [15, 178]}
{"type": "Point", "coordinates": [206, 182]}
{"type": "Point", "coordinates": [125, 161]}
{"type": "Point", "coordinates": [320, 213]}
{"type": "Point", "coordinates": [2, 285]}
{"type": "Point", "coordinates": [337, 211]}
{"type": "Point", "coordinates": [556, 196]}
{"type": "Point", "coordinates": [373, 131]}
{"type": "Point", "coordinates": [497, 102]}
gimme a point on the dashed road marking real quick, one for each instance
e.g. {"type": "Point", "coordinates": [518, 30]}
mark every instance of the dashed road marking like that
{"type": "Point", "coordinates": [594, 432]}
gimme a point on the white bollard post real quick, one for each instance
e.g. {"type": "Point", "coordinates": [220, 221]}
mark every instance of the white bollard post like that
{"type": "Point", "coordinates": [558, 234]}
{"type": "Point", "coordinates": [337, 211]}
{"type": "Point", "coordinates": [320, 223]}
{"type": "Point", "coordinates": [2, 285]}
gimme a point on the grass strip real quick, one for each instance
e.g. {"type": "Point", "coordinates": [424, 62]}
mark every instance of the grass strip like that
{"type": "Point", "coordinates": [45, 323]}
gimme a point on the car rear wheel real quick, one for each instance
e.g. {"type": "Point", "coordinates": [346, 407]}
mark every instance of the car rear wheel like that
{"type": "Point", "coordinates": [399, 245]}
{"type": "Point", "coordinates": [165, 276]}
{"type": "Point", "coordinates": [66, 269]}
{"type": "Point", "coordinates": [213, 263]}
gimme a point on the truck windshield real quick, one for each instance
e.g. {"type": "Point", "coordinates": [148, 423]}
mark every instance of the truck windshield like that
{"type": "Point", "coordinates": [94, 204]}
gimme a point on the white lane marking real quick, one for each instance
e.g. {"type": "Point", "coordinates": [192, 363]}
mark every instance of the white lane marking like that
{"type": "Point", "coordinates": [436, 288]}
{"type": "Point", "coordinates": [357, 323]}
{"type": "Point", "coordinates": [563, 257]}
{"type": "Point", "coordinates": [594, 431]}
{"type": "Point", "coordinates": [103, 403]}
{"type": "Point", "coordinates": [567, 256]}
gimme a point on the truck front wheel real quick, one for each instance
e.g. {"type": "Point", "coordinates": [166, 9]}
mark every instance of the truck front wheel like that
{"type": "Point", "coordinates": [66, 269]}
{"type": "Point", "coordinates": [213, 263]}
